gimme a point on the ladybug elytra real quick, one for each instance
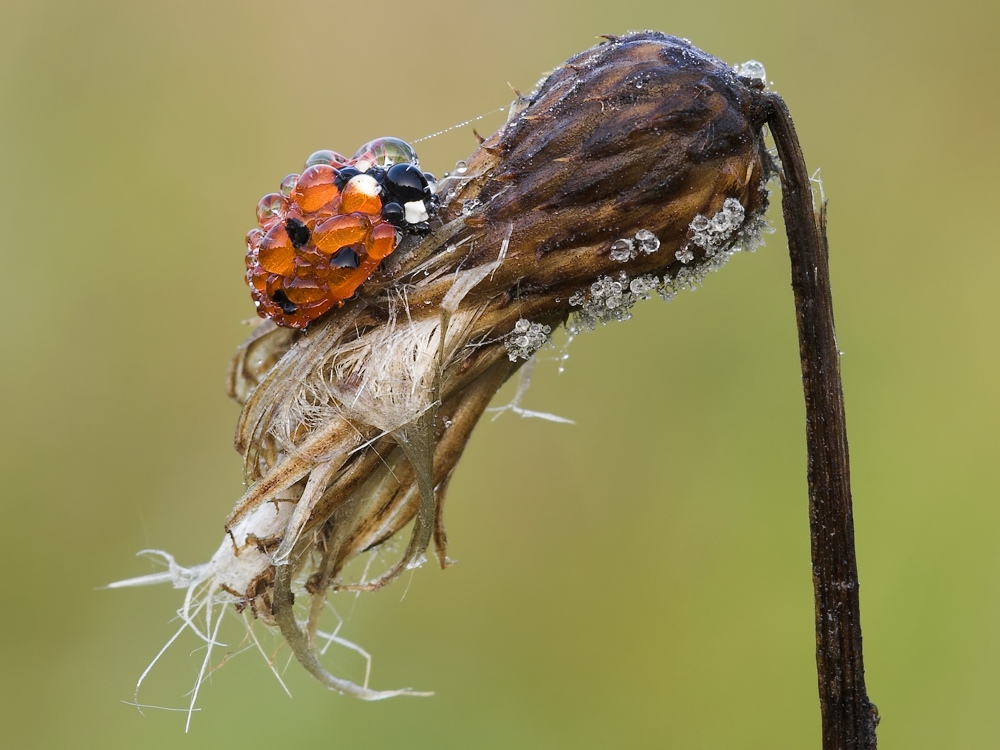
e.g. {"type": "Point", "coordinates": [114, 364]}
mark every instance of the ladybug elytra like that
{"type": "Point", "coordinates": [327, 230]}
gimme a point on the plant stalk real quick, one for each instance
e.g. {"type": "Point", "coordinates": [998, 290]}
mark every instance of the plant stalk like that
{"type": "Point", "coordinates": [849, 718]}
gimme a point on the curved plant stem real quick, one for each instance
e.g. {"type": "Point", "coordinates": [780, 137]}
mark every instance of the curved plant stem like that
{"type": "Point", "coordinates": [849, 718]}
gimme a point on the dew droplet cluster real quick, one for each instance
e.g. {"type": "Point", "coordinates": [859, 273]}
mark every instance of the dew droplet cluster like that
{"type": "Point", "coordinates": [728, 232]}
{"type": "Point", "coordinates": [526, 339]}
{"type": "Point", "coordinates": [713, 234]}
{"type": "Point", "coordinates": [327, 229]}
{"type": "Point", "coordinates": [625, 249]}
{"type": "Point", "coordinates": [610, 299]}
{"type": "Point", "coordinates": [646, 241]}
{"type": "Point", "coordinates": [685, 254]}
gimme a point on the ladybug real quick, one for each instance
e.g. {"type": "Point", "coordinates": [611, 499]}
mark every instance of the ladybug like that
{"type": "Point", "coordinates": [326, 230]}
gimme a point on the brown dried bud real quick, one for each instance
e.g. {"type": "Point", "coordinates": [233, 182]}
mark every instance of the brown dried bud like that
{"type": "Point", "coordinates": [645, 132]}
{"type": "Point", "coordinates": [637, 166]}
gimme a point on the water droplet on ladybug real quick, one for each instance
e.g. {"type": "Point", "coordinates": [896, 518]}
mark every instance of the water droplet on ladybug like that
{"type": "Point", "coordinates": [276, 255]}
{"type": "Point", "coordinates": [288, 184]}
{"type": "Point", "coordinates": [341, 231]}
{"type": "Point", "coordinates": [361, 194]}
{"type": "Point", "coordinates": [325, 156]}
{"type": "Point", "coordinates": [253, 238]}
{"type": "Point", "coordinates": [270, 209]}
{"type": "Point", "coordinates": [382, 240]}
{"type": "Point", "coordinates": [315, 188]}
{"type": "Point", "coordinates": [384, 152]}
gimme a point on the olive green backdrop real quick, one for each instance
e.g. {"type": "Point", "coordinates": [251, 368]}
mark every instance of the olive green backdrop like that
{"type": "Point", "coordinates": [638, 579]}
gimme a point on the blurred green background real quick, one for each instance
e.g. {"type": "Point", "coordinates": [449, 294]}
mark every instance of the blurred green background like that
{"type": "Point", "coordinates": [639, 579]}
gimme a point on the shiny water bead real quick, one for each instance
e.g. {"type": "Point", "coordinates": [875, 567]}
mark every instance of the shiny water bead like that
{"type": "Point", "coordinates": [288, 184]}
{"type": "Point", "coordinates": [341, 231]}
{"type": "Point", "coordinates": [346, 281]}
{"type": "Point", "coordinates": [751, 69]}
{"type": "Point", "coordinates": [295, 306]}
{"type": "Point", "coordinates": [622, 250]}
{"type": "Point", "coordinates": [309, 262]}
{"type": "Point", "coordinates": [257, 279]}
{"type": "Point", "coordinates": [381, 241]}
{"type": "Point", "coordinates": [344, 175]}
{"type": "Point", "coordinates": [253, 238]}
{"type": "Point", "coordinates": [293, 302]}
{"type": "Point", "coordinates": [647, 241]}
{"type": "Point", "coordinates": [316, 187]}
{"type": "Point", "coordinates": [326, 156]}
{"type": "Point", "coordinates": [276, 254]}
{"type": "Point", "coordinates": [281, 300]}
{"type": "Point", "coordinates": [304, 291]}
{"type": "Point", "coordinates": [271, 304]}
{"type": "Point", "coordinates": [271, 209]}
{"type": "Point", "coordinates": [384, 152]}
{"type": "Point", "coordinates": [361, 194]}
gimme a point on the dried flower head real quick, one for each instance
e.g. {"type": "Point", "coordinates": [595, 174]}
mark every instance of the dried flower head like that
{"type": "Point", "coordinates": [636, 167]}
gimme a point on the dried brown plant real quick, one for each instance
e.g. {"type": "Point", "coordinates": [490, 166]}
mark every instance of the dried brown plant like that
{"type": "Point", "coordinates": [633, 169]}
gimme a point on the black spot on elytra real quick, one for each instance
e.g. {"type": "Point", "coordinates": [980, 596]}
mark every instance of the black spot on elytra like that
{"type": "Point", "coordinates": [287, 306]}
{"type": "Point", "coordinates": [345, 258]}
{"type": "Point", "coordinates": [298, 232]}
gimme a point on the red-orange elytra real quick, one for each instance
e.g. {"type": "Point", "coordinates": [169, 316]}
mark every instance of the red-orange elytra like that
{"type": "Point", "coordinates": [325, 233]}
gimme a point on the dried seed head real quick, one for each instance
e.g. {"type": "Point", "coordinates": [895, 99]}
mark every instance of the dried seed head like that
{"type": "Point", "coordinates": [636, 166]}
{"type": "Point", "coordinates": [642, 134]}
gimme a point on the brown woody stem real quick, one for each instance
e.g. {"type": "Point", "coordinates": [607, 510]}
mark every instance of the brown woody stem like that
{"type": "Point", "coordinates": [849, 718]}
